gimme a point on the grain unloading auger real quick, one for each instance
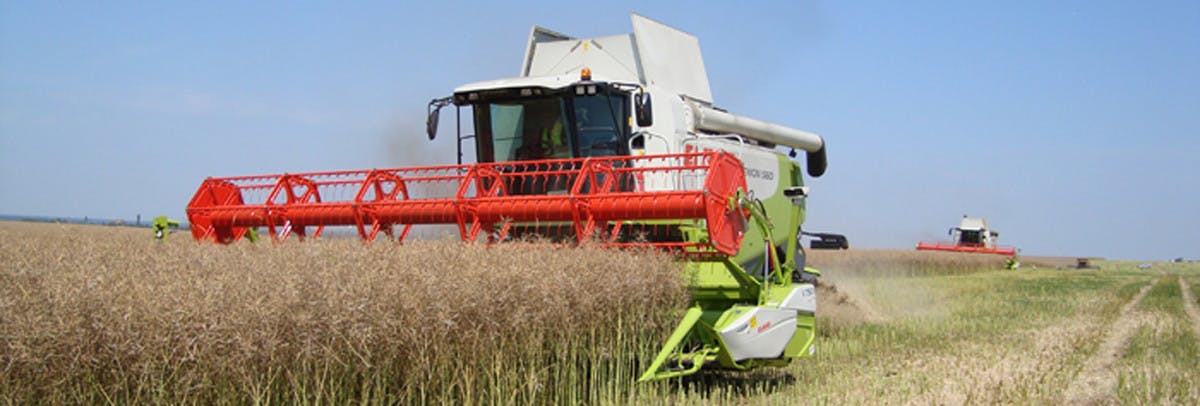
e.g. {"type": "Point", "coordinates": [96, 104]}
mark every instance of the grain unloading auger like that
{"type": "Point", "coordinates": [571, 156]}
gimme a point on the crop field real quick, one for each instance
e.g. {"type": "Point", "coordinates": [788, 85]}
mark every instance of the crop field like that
{"type": "Point", "coordinates": [92, 314]}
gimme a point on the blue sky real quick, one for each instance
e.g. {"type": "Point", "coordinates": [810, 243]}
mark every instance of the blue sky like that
{"type": "Point", "coordinates": [1073, 126]}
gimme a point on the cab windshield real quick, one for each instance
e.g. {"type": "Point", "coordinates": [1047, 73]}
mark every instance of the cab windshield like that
{"type": "Point", "coordinates": [551, 127]}
{"type": "Point", "coordinates": [970, 237]}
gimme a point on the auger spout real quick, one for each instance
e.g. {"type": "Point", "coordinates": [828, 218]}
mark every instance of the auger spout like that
{"type": "Point", "coordinates": [710, 119]}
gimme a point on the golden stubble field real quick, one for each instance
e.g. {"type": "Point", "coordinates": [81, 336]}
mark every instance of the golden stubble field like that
{"type": "Point", "coordinates": [93, 314]}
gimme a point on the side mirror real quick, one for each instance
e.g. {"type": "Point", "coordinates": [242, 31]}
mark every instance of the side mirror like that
{"type": "Point", "coordinates": [434, 109]}
{"type": "Point", "coordinates": [431, 124]}
{"type": "Point", "coordinates": [643, 110]}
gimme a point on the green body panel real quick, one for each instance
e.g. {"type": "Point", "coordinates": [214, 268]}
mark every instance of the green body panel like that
{"type": "Point", "coordinates": [806, 333]}
{"type": "Point", "coordinates": [784, 217]}
{"type": "Point", "coordinates": [713, 280]}
{"type": "Point", "coordinates": [725, 288]}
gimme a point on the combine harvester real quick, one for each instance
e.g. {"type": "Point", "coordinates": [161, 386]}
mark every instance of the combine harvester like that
{"type": "Point", "coordinates": [575, 150]}
{"type": "Point", "coordinates": [973, 236]}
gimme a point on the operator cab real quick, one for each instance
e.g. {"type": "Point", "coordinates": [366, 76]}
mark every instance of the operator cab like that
{"type": "Point", "coordinates": [585, 119]}
{"type": "Point", "coordinates": [546, 118]}
{"type": "Point", "coordinates": [973, 232]}
{"type": "Point", "coordinates": [528, 123]}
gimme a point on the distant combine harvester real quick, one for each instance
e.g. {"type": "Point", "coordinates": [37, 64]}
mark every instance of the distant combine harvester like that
{"type": "Point", "coordinates": [971, 236]}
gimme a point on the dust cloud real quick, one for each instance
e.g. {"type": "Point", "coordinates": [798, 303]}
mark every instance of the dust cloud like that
{"type": "Point", "coordinates": [874, 286]}
{"type": "Point", "coordinates": [403, 142]}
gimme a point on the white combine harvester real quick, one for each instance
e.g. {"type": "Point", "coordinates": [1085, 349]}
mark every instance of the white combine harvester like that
{"type": "Point", "coordinates": [574, 150]}
{"type": "Point", "coordinates": [972, 235]}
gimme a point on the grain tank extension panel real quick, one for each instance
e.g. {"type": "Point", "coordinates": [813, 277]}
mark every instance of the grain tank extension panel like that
{"type": "Point", "coordinates": [654, 54]}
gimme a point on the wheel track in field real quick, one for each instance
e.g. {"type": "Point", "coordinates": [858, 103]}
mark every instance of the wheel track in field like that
{"type": "Point", "coordinates": [991, 380]}
{"type": "Point", "coordinates": [1097, 382]}
{"type": "Point", "coordinates": [1189, 304]}
{"type": "Point", "coordinates": [986, 379]}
